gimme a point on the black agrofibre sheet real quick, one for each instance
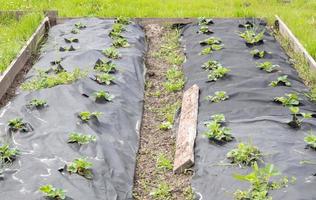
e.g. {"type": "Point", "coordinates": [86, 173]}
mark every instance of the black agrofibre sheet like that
{"type": "Point", "coordinates": [250, 112]}
{"type": "Point", "coordinates": [45, 150]}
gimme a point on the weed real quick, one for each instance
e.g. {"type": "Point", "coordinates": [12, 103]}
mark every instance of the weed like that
{"type": "Point", "coordinates": [111, 52]}
{"type": "Point", "coordinates": [204, 21]}
{"type": "Point", "coordinates": [281, 80]}
{"type": "Point", "coordinates": [86, 115]}
{"type": "Point", "coordinates": [71, 40]}
{"type": "Point", "coordinates": [217, 73]}
{"type": "Point", "coordinates": [105, 66]}
{"type": "Point", "coordinates": [168, 112]}
{"type": "Point", "coordinates": [53, 193]}
{"type": "Point", "coordinates": [101, 96]}
{"type": "Point", "coordinates": [215, 130]}
{"type": "Point", "coordinates": [166, 125]}
{"type": "Point", "coordinates": [267, 66]}
{"type": "Point", "coordinates": [80, 25]}
{"type": "Point", "coordinates": [122, 20]}
{"type": "Point", "coordinates": [311, 140]}
{"type": "Point", "coordinates": [43, 80]}
{"type": "Point", "coordinates": [120, 42]}
{"type": "Point", "coordinates": [189, 193]}
{"type": "Point", "coordinates": [7, 154]}
{"type": "Point", "coordinates": [245, 154]}
{"type": "Point", "coordinates": [211, 64]}
{"type": "Point", "coordinates": [80, 138]}
{"type": "Point", "coordinates": [288, 100]}
{"type": "Point", "coordinates": [252, 37]}
{"type": "Point", "coordinates": [116, 31]}
{"type": "Point", "coordinates": [164, 163]}
{"type": "Point", "coordinates": [296, 122]}
{"type": "Point", "coordinates": [211, 41]}
{"type": "Point", "coordinates": [218, 97]}
{"type": "Point", "coordinates": [205, 30]}
{"type": "Point", "coordinates": [256, 53]}
{"type": "Point", "coordinates": [175, 80]}
{"type": "Point", "coordinates": [163, 192]}
{"type": "Point", "coordinates": [17, 124]}
{"type": "Point", "coordinates": [37, 103]}
{"type": "Point", "coordinates": [104, 78]}
{"type": "Point", "coordinates": [82, 167]}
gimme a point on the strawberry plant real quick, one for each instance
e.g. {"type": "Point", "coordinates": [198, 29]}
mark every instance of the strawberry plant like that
{"type": "Point", "coordinates": [288, 100]}
{"type": "Point", "coordinates": [209, 50]}
{"type": "Point", "coordinates": [103, 96]}
{"type": "Point", "coordinates": [7, 154]}
{"type": "Point", "coordinates": [75, 31]}
{"type": "Point", "coordinates": [17, 124]}
{"type": "Point", "coordinates": [281, 80]}
{"type": "Point", "coordinates": [53, 193]}
{"type": "Point", "coordinates": [218, 97]}
{"type": "Point", "coordinates": [217, 73]}
{"type": "Point", "coordinates": [104, 78]}
{"type": "Point", "coordinates": [80, 25]}
{"type": "Point", "coordinates": [86, 115]}
{"type": "Point", "coordinates": [111, 52]}
{"type": "Point", "coordinates": [267, 66]}
{"type": "Point", "coordinates": [105, 66]}
{"type": "Point", "coordinates": [210, 41]}
{"type": "Point", "coordinates": [205, 30]}
{"type": "Point", "coordinates": [120, 42]}
{"type": "Point", "coordinates": [116, 31]}
{"type": "Point", "coordinates": [211, 64]}
{"type": "Point", "coordinates": [244, 154]}
{"type": "Point", "coordinates": [80, 138]}
{"type": "Point", "coordinates": [206, 51]}
{"type": "Point", "coordinates": [122, 20]}
{"type": "Point", "coordinates": [204, 21]}
{"type": "Point", "coordinates": [296, 122]}
{"type": "Point", "coordinates": [256, 53]}
{"type": "Point", "coordinates": [215, 130]}
{"type": "Point", "coordinates": [311, 140]}
{"type": "Point", "coordinates": [71, 48]}
{"type": "Point", "coordinates": [252, 37]}
{"type": "Point", "coordinates": [37, 103]}
{"type": "Point", "coordinates": [82, 167]}
{"type": "Point", "coordinates": [71, 40]}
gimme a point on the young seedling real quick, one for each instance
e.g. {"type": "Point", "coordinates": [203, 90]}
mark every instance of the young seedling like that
{"type": "Point", "coordinates": [288, 100]}
{"type": "Point", "coordinates": [211, 64]}
{"type": "Point", "coordinates": [116, 31]}
{"type": "Point", "coordinates": [71, 40]}
{"type": "Point", "coordinates": [267, 66]}
{"type": "Point", "coordinates": [204, 21]}
{"type": "Point", "coordinates": [105, 66]}
{"type": "Point", "coordinates": [162, 192]}
{"type": "Point", "coordinates": [205, 30]}
{"type": "Point", "coordinates": [112, 52]}
{"type": "Point", "coordinates": [120, 42]}
{"type": "Point", "coordinates": [71, 48]}
{"type": "Point", "coordinates": [282, 80]}
{"type": "Point", "coordinates": [103, 96]}
{"type": "Point", "coordinates": [80, 138]}
{"type": "Point", "coordinates": [296, 122]}
{"type": "Point", "coordinates": [256, 53]}
{"type": "Point", "coordinates": [104, 78]}
{"type": "Point", "coordinates": [210, 41]}
{"type": "Point", "coordinates": [218, 97]}
{"type": "Point", "coordinates": [217, 73]}
{"type": "Point", "coordinates": [80, 25]}
{"type": "Point", "coordinates": [53, 193]}
{"type": "Point", "coordinates": [166, 125]}
{"type": "Point", "coordinates": [252, 37]}
{"type": "Point", "coordinates": [175, 80]}
{"type": "Point", "coordinates": [7, 154]}
{"type": "Point", "coordinates": [244, 154]}
{"type": "Point", "coordinates": [37, 103]}
{"type": "Point", "coordinates": [311, 140]}
{"type": "Point", "coordinates": [209, 50]}
{"type": "Point", "coordinates": [82, 167]}
{"type": "Point", "coordinates": [17, 124]}
{"type": "Point", "coordinates": [164, 163]}
{"type": "Point", "coordinates": [215, 130]}
{"type": "Point", "coordinates": [122, 20]}
{"type": "Point", "coordinates": [85, 116]}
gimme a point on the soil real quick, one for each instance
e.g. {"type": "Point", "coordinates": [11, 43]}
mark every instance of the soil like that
{"type": "Point", "coordinates": [154, 141]}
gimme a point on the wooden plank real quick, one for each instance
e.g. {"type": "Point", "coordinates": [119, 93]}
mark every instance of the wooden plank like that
{"type": "Point", "coordinates": [184, 156]}
{"type": "Point", "coordinates": [295, 43]}
{"type": "Point", "coordinates": [8, 76]}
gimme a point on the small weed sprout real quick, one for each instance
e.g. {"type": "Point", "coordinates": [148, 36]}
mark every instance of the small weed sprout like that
{"type": "Point", "coordinates": [80, 138]}
{"type": "Point", "coordinates": [82, 167]}
{"type": "Point", "coordinates": [163, 192]}
{"type": "Point", "coordinates": [101, 96]}
{"type": "Point", "coordinates": [7, 154]}
{"type": "Point", "coordinates": [37, 103]}
{"type": "Point", "coordinates": [205, 30]}
{"type": "Point", "coordinates": [53, 193]}
{"type": "Point", "coordinates": [244, 154]}
{"type": "Point", "coordinates": [217, 73]}
{"type": "Point", "coordinates": [215, 130]}
{"type": "Point", "coordinates": [267, 66]}
{"type": "Point", "coordinates": [85, 116]}
{"type": "Point", "coordinates": [296, 122]}
{"type": "Point", "coordinates": [104, 78]}
{"type": "Point", "coordinates": [311, 140]}
{"type": "Point", "coordinates": [17, 124]}
{"type": "Point", "coordinates": [256, 53]}
{"type": "Point", "coordinates": [218, 97]}
{"type": "Point", "coordinates": [165, 125]}
{"type": "Point", "coordinates": [105, 66]}
{"type": "Point", "coordinates": [164, 163]}
{"type": "Point", "coordinates": [175, 80]}
{"type": "Point", "coordinates": [116, 31]}
{"type": "Point", "coordinates": [112, 52]}
{"type": "Point", "coordinates": [281, 80]}
{"type": "Point", "coordinates": [211, 64]}
{"type": "Point", "coordinates": [122, 20]}
{"type": "Point", "coordinates": [204, 21]}
{"type": "Point", "coordinates": [211, 41]}
{"type": "Point", "coordinates": [252, 37]}
{"type": "Point", "coordinates": [120, 42]}
{"type": "Point", "coordinates": [288, 100]}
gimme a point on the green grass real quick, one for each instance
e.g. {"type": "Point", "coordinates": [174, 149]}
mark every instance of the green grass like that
{"type": "Point", "coordinates": [14, 34]}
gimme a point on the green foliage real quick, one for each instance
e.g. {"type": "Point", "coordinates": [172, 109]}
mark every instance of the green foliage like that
{"type": "Point", "coordinates": [296, 122]}
{"type": "Point", "coordinates": [7, 154]}
{"type": "Point", "coordinates": [165, 125]}
{"type": "Point", "coordinates": [71, 48]}
{"type": "Point", "coordinates": [168, 113]}
{"type": "Point", "coordinates": [112, 52]}
{"type": "Point", "coordinates": [215, 130]}
{"type": "Point", "coordinates": [80, 25]}
{"type": "Point", "coordinates": [288, 100]}
{"type": "Point", "coordinates": [267, 66]}
{"type": "Point", "coordinates": [75, 31]}
{"type": "Point", "coordinates": [122, 20]}
{"type": "Point", "coordinates": [211, 48]}
{"type": "Point", "coordinates": [175, 80]}
{"type": "Point", "coordinates": [53, 193]}
{"type": "Point", "coordinates": [251, 36]}
{"type": "Point", "coordinates": [205, 30]}
{"type": "Point", "coordinates": [86, 115]}
{"type": "Point", "coordinates": [211, 64]}
{"type": "Point", "coordinates": [120, 42]}
{"type": "Point", "coordinates": [105, 66]}
{"type": "Point", "coordinates": [211, 41]}
{"type": "Point", "coordinates": [218, 97]}
{"type": "Point", "coordinates": [43, 80]}
{"type": "Point", "coordinates": [311, 140]}
{"type": "Point", "coordinates": [164, 163]}
{"type": "Point", "coordinates": [103, 96]}
{"type": "Point", "coordinates": [81, 138]}
{"type": "Point", "coordinates": [189, 193]}
{"type": "Point", "coordinates": [71, 40]}
{"type": "Point", "coordinates": [163, 192]}
{"type": "Point", "coordinates": [281, 80]}
{"type": "Point", "coordinates": [257, 53]}
{"type": "Point", "coordinates": [37, 103]}
{"type": "Point", "coordinates": [204, 21]}
{"type": "Point", "coordinates": [218, 73]}
{"type": "Point", "coordinates": [245, 154]}
{"type": "Point", "coordinates": [82, 167]}
{"type": "Point", "coordinates": [17, 124]}
{"type": "Point", "coordinates": [104, 78]}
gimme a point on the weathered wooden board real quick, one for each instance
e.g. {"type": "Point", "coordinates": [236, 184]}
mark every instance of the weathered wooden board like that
{"type": "Point", "coordinates": [184, 156]}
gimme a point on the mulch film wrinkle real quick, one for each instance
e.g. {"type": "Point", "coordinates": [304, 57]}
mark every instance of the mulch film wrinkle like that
{"type": "Point", "coordinates": [44, 151]}
{"type": "Point", "coordinates": [250, 112]}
